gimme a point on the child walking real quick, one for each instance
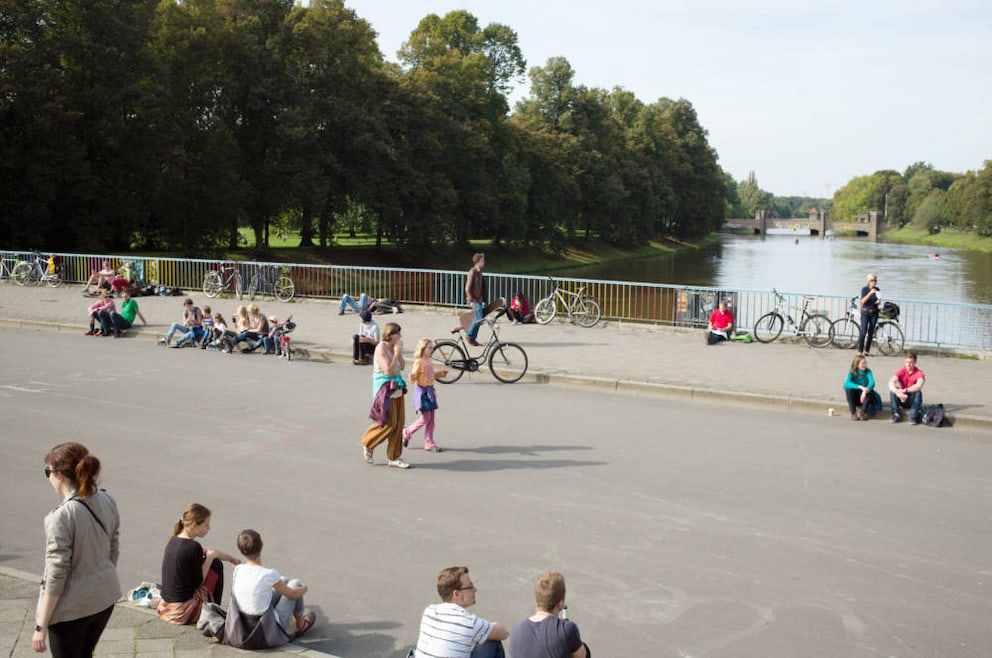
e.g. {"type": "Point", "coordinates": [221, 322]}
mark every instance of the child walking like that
{"type": "Point", "coordinates": [424, 398]}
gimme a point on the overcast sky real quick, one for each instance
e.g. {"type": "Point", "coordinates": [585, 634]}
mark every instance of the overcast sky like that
{"type": "Point", "coordinates": [806, 93]}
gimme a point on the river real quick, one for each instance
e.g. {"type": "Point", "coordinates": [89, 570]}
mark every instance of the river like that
{"type": "Point", "coordinates": [814, 266]}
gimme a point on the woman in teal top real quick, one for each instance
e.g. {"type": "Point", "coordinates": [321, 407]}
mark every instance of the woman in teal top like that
{"type": "Point", "coordinates": [858, 387]}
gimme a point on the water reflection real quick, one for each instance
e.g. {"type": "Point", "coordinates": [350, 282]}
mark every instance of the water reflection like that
{"type": "Point", "coordinates": [816, 266]}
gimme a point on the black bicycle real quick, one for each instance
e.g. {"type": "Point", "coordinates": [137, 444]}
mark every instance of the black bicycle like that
{"type": "Point", "coordinates": [507, 361]}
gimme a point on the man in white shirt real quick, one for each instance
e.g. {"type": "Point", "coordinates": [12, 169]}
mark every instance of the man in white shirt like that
{"type": "Point", "coordinates": [448, 630]}
{"type": "Point", "coordinates": [363, 343]}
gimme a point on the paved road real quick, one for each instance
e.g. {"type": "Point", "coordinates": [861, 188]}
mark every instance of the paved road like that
{"type": "Point", "coordinates": [684, 528]}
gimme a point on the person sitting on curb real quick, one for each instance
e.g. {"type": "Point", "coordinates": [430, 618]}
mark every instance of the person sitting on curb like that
{"type": "Point", "coordinates": [363, 343]}
{"type": "Point", "coordinates": [720, 324]}
{"type": "Point", "coordinates": [519, 310]}
{"type": "Point", "coordinates": [266, 608]}
{"type": "Point", "coordinates": [124, 320]}
{"type": "Point", "coordinates": [100, 311]}
{"type": "Point", "coordinates": [448, 629]}
{"type": "Point", "coordinates": [100, 278]}
{"type": "Point", "coordinates": [905, 390]}
{"type": "Point", "coordinates": [859, 389]}
{"type": "Point", "coordinates": [545, 634]}
{"type": "Point", "coordinates": [192, 317]}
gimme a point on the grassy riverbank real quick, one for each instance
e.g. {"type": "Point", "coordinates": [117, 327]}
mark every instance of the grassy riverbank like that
{"type": "Point", "coordinates": [459, 257]}
{"type": "Point", "coordinates": [948, 238]}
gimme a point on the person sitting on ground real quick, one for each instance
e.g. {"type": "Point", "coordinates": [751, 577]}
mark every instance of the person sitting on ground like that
{"type": "Point", "coordinates": [519, 310]}
{"type": "Point", "coordinates": [266, 340]}
{"type": "Point", "coordinates": [103, 305]}
{"type": "Point", "coordinates": [363, 343]}
{"type": "Point", "coordinates": [192, 317]}
{"type": "Point", "coordinates": [123, 282]}
{"type": "Point", "coordinates": [121, 322]}
{"type": "Point", "coordinates": [196, 327]}
{"type": "Point", "coordinates": [859, 387]}
{"type": "Point", "coordinates": [223, 337]}
{"type": "Point", "coordinates": [720, 324]}
{"type": "Point", "coordinates": [191, 574]}
{"type": "Point", "coordinates": [364, 303]}
{"type": "Point", "coordinates": [258, 326]}
{"type": "Point", "coordinates": [261, 597]}
{"type": "Point", "coordinates": [545, 634]}
{"type": "Point", "coordinates": [448, 629]}
{"type": "Point", "coordinates": [100, 278]}
{"type": "Point", "coordinates": [905, 390]}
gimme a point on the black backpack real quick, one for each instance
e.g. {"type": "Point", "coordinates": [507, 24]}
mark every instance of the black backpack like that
{"type": "Point", "coordinates": [933, 415]}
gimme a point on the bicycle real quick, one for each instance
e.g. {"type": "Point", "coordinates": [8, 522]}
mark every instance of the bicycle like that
{"type": "Point", "coordinates": [845, 331]}
{"type": "Point", "coordinates": [581, 309]}
{"type": "Point", "coordinates": [813, 326]}
{"type": "Point", "coordinates": [216, 281]}
{"type": "Point", "coordinates": [37, 269]}
{"type": "Point", "coordinates": [507, 361]}
{"type": "Point", "coordinates": [272, 281]}
{"type": "Point", "coordinates": [7, 264]}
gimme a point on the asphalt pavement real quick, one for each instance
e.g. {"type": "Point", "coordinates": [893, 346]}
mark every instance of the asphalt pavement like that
{"type": "Point", "coordinates": [637, 359]}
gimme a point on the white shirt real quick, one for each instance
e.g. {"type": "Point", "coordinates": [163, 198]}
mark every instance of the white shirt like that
{"type": "Point", "coordinates": [370, 330]}
{"type": "Point", "coordinates": [448, 630]}
{"type": "Point", "coordinates": [252, 587]}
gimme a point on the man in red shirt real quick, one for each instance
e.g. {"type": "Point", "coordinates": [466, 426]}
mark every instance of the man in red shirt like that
{"type": "Point", "coordinates": [905, 390]}
{"type": "Point", "coordinates": [720, 324]}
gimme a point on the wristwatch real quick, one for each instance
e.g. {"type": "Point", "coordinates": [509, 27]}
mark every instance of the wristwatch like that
{"type": "Point", "coordinates": [38, 628]}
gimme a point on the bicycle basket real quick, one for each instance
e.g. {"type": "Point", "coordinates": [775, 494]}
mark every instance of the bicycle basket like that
{"type": "Point", "coordinates": [890, 311]}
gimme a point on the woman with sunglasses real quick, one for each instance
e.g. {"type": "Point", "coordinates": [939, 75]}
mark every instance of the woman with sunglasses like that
{"type": "Point", "coordinates": [82, 539]}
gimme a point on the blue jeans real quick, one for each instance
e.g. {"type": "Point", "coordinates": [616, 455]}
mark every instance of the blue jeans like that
{"type": "Point", "coordinates": [473, 330]}
{"type": "Point", "coordinates": [361, 305]}
{"type": "Point", "coordinates": [488, 649]}
{"type": "Point", "coordinates": [191, 335]}
{"type": "Point", "coordinates": [913, 402]}
{"type": "Point", "coordinates": [868, 322]}
{"type": "Point", "coordinates": [286, 608]}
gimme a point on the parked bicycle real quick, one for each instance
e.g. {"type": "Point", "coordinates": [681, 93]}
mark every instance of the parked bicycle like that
{"type": "Point", "coordinates": [814, 326]}
{"type": "Point", "coordinates": [7, 264]}
{"type": "Point", "coordinates": [36, 269]}
{"type": "Point", "coordinates": [507, 361]}
{"type": "Point", "coordinates": [273, 281]}
{"type": "Point", "coordinates": [582, 309]}
{"type": "Point", "coordinates": [216, 281]}
{"type": "Point", "coordinates": [845, 331]}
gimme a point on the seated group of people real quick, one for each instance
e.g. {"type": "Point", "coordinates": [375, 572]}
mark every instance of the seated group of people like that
{"type": "Point", "coordinates": [110, 280]}
{"type": "Point", "coordinates": [267, 608]}
{"type": "Point", "coordinates": [210, 331]}
{"type": "Point", "coordinates": [905, 390]}
{"type": "Point", "coordinates": [103, 312]}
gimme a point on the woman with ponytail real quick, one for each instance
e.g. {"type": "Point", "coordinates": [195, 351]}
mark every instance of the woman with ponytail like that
{"type": "Point", "coordinates": [82, 538]}
{"type": "Point", "coordinates": [191, 575]}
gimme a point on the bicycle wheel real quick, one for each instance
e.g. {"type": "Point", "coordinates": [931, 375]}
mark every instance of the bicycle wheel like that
{"type": "Point", "coordinates": [285, 289]}
{"type": "Point", "coordinates": [508, 362]}
{"type": "Point", "coordinates": [212, 283]}
{"type": "Point", "coordinates": [54, 280]}
{"type": "Point", "coordinates": [447, 355]}
{"type": "Point", "coordinates": [239, 285]}
{"type": "Point", "coordinates": [889, 338]}
{"type": "Point", "coordinates": [768, 327]}
{"type": "Point", "coordinates": [22, 274]}
{"type": "Point", "coordinates": [844, 333]}
{"type": "Point", "coordinates": [253, 286]}
{"type": "Point", "coordinates": [816, 330]}
{"type": "Point", "coordinates": [545, 310]}
{"type": "Point", "coordinates": [586, 312]}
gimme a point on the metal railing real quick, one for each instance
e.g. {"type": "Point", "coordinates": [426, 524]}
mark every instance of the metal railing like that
{"type": "Point", "coordinates": [924, 323]}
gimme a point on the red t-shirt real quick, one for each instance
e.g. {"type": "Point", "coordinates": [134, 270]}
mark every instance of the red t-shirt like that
{"type": "Point", "coordinates": [721, 319]}
{"type": "Point", "coordinates": [906, 378]}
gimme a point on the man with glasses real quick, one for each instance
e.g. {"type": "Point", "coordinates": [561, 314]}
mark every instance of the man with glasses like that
{"type": "Point", "coordinates": [448, 630]}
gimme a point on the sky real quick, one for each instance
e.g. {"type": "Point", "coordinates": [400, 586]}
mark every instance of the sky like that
{"type": "Point", "coordinates": [807, 94]}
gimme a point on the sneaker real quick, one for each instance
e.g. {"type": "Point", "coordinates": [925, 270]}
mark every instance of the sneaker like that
{"type": "Point", "coordinates": [914, 421]}
{"type": "Point", "coordinates": [163, 341]}
{"type": "Point", "coordinates": [707, 338]}
{"type": "Point", "coordinates": [89, 333]}
{"type": "Point", "coordinates": [473, 342]}
{"type": "Point", "coordinates": [368, 455]}
{"type": "Point", "coordinates": [398, 463]}
{"type": "Point", "coordinates": [433, 448]}
{"type": "Point", "coordinates": [341, 312]}
{"type": "Point", "coordinates": [895, 418]}
{"type": "Point", "coordinates": [855, 417]}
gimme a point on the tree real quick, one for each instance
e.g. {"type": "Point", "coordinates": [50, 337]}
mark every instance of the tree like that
{"type": "Point", "coordinates": [752, 197]}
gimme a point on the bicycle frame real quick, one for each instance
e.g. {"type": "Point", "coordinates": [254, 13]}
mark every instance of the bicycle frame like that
{"type": "Point", "coordinates": [507, 361]}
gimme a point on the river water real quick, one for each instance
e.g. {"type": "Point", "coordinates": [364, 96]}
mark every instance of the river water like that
{"type": "Point", "coordinates": [813, 265]}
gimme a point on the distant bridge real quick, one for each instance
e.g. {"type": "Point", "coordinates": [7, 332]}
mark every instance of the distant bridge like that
{"type": "Point", "coordinates": [867, 226]}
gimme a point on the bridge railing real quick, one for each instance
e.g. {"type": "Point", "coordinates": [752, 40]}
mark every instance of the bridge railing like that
{"type": "Point", "coordinates": [924, 323]}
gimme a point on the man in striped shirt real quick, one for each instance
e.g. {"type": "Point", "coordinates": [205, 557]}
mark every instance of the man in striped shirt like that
{"type": "Point", "coordinates": [448, 630]}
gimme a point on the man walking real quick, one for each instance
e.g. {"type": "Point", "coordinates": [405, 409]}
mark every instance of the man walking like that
{"type": "Point", "coordinates": [448, 630]}
{"type": "Point", "coordinates": [475, 292]}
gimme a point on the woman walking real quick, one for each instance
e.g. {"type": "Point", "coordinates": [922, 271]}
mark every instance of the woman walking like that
{"type": "Point", "coordinates": [82, 536]}
{"type": "Point", "coordinates": [388, 392]}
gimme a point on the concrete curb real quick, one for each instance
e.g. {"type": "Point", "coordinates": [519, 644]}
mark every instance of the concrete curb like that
{"type": "Point", "coordinates": [563, 379]}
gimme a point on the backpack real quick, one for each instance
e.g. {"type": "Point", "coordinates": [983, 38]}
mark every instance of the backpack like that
{"type": "Point", "coordinates": [932, 415]}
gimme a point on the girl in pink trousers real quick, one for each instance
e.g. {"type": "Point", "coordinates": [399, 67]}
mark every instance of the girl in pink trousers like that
{"type": "Point", "coordinates": [424, 399]}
